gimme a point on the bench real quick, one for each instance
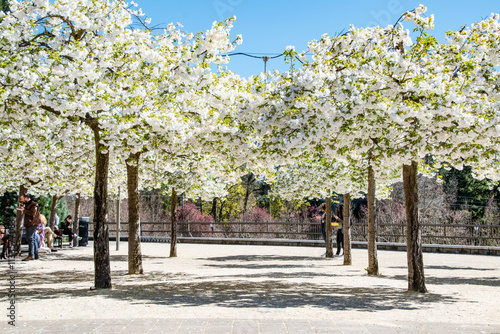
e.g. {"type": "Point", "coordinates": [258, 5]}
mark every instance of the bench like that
{"type": "Point", "coordinates": [58, 240]}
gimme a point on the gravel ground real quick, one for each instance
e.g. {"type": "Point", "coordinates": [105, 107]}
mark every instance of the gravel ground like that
{"type": "Point", "coordinates": [256, 282]}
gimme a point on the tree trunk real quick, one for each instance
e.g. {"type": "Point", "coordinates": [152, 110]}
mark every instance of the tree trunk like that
{"type": "Point", "coordinates": [416, 278]}
{"type": "Point", "coordinates": [76, 219]}
{"type": "Point", "coordinates": [372, 242]}
{"type": "Point", "coordinates": [53, 212]}
{"type": "Point", "coordinates": [214, 209]}
{"type": "Point", "coordinates": [118, 220]}
{"type": "Point", "coordinates": [134, 238]}
{"type": "Point", "coordinates": [245, 203]}
{"type": "Point", "coordinates": [19, 223]}
{"type": "Point", "coordinates": [328, 227]}
{"type": "Point", "coordinates": [221, 209]}
{"type": "Point", "coordinates": [248, 185]}
{"type": "Point", "coordinates": [173, 225]}
{"type": "Point", "coordinates": [347, 230]}
{"type": "Point", "coordinates": [101, 234]}
{"type": "Point", "coordinates": [493, 191]}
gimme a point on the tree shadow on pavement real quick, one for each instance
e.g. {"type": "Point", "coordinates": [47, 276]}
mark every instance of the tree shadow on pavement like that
{"type": "Point", "coordinates": [279, 275]}
{"type": "Point", "coordinates": [486, 281]}
{"type": "Point", "coordinates": [85, 258]}
{"type": "Point", "coordinates": [442, 267]}
{"type": "Point", "coordinates": [255, 266]}
{"type": "Point", "coordinates": [244, 261]}
{"type": "Point", "coordinates": [260, 258]}
{"type": "Point", "coordinates": [182, 290]}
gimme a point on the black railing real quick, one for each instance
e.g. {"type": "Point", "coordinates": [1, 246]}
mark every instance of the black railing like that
{"type": "Point", "coordinates": [447, 234]}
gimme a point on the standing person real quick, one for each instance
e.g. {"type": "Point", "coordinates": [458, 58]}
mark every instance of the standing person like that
{"type": "Point", "coordinates": [31, 220]}
{"type": "Point", "coordinates": [340, 233]}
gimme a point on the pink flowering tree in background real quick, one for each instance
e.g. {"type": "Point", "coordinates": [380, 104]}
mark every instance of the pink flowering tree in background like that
{"type": "Point", "coordinates": [257, 215]}
{"type": "Point", "coordinates": [188, 213]}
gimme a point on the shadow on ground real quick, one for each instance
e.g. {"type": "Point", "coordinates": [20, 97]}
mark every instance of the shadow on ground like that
{"type": "Point", "coordinates": [245, 261]}
{"type": "Point", "coordinates": [459, 268]}
{"type": "Point", "coordinates": [274, 288]}
{"type": "Point", "coordinates": [265, 291]}
{"type": "Point", "coordinates": [486, 281]}
{"type": "Point", "coordinates": [448, 268]}
{"type": "Point", "coordinates": [260, 258]}
{"type": "Point", "coordinates": [85, 258]}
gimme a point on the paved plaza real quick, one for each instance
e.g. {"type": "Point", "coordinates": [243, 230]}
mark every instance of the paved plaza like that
{"type": "Point", "coordinates": [237, 326]}
{"type": "Point", "coordinates": [251, 289]}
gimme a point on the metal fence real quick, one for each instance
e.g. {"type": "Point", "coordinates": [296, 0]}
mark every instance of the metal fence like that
{"type": "Point", "coordinates": [446, 234]}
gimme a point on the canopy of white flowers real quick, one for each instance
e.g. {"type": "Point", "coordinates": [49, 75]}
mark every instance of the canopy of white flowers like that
{"type": "Point", "coordinates": [86, 77]}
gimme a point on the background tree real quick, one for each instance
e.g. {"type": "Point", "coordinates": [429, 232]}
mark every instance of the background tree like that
{"type": "Point", "coordinates": [4, 5]}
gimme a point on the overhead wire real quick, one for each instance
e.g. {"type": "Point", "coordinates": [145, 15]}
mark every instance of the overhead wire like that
{"type": "Point", "coordinates": [265, 58]}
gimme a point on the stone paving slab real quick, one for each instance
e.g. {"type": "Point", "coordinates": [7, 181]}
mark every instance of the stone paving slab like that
{"type": "Point", "coordinates": [234, 326]}
{"type": "Point", "coordinates": [298, 326]}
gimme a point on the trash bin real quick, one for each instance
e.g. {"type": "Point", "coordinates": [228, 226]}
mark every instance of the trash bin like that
{"type": "Point", "coordinates": [83, 231]}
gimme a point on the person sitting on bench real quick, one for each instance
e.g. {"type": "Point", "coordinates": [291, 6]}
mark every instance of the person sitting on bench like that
{"type": "Point", "coordinates": [57, 236]}
{"type": "Point", "coordinates": [67, 227]}
{"type": "Point", "coordinates": [7, 248]}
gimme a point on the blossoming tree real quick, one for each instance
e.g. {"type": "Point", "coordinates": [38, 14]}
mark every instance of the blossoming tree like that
{"type": "Point", "coordinates": [79, 61]}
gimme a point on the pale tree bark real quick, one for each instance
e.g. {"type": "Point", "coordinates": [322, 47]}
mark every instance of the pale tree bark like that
{"type": "Point", "coordinates": [347, 230]}
{"type": "Point", "coordinates": [372, 242]}
{"type": "Point", "coordinates": [118, 220]}
{"type": "Point", "coordinates": [173, 225]}
{"type": "Point", "coordinates": [102, 275]}
{"type": "Point", "coordinates": [76, 219]}
{"type": "Point", "coordinates": [248, 190]}
{"type": "Point", "coordinates": [416, 278]}
{"type": "Point", "coordinates": [134, 238]}
{"type": "Point", "coordinates": [19, 223]}
{"type": "Point", "coordinates": [493, 191]}
{"type": "Point", "coordinates": [328, 227]}
{"type": "Point", "coordinates": [53, 212]}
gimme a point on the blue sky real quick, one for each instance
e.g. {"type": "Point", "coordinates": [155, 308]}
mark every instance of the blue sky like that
{"type": "Point", "coordinates": [269, 26]}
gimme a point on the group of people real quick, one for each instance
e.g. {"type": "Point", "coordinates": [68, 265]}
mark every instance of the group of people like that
{"type": "Point", "coordinates": [37, 230]}
{"type": "Point", "coordinates": [338, 219]}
